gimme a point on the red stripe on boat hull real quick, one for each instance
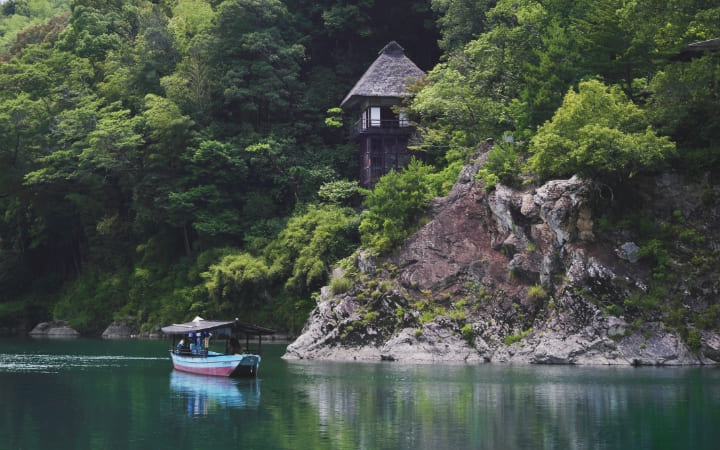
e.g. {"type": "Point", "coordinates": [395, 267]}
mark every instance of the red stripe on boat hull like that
{"type": "Point", "coordinates": [215, 371]}
{"type": "Point", "coordinates": [217, 365]}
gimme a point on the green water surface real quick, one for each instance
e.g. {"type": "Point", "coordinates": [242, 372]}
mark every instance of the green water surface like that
{"type": "Point", "coordinates": [96, 394]}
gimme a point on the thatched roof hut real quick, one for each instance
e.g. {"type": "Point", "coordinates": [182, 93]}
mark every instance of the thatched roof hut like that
{"type": "Point", "coordinates": [389, 76]}
{"type": "Point", "coordinates": [697, 49]}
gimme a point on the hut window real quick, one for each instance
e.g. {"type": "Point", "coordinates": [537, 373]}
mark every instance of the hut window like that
{"type": "Point", "coordinates": [375, 116]}
{"type": "Point", "coordinates": [403, 119]}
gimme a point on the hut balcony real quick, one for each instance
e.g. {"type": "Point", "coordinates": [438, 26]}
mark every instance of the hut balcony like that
{"type": "Point", "coordinates": [397, 126]}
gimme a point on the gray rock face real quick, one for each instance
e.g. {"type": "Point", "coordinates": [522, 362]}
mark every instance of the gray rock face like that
{"type": "Point", "coordinates": [121, 329]}
{"type": "Point", "coordinates": [525, 276]}
{"type": "Point", "coordinates": [57, 329]}
{"type": "Point", "coordinates": [629, 251]}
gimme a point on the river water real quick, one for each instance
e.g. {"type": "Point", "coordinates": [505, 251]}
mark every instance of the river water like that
{"type": "Point", "coordinates": [96, 394]}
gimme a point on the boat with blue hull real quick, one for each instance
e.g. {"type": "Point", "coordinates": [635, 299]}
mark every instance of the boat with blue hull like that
{"type": "Point", "coordinates": [193, 354]}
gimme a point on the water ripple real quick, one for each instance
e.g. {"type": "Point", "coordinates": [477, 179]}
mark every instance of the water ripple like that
{"type": "Point", "coordinates": [45, 363]}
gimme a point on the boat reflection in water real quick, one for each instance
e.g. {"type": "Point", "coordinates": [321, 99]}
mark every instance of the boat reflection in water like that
{"type": "Point", "coordinates": [206, 394]}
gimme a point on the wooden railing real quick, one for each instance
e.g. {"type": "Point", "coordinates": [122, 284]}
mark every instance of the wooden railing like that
{"type": "Point", "coordinates": [362, 125]}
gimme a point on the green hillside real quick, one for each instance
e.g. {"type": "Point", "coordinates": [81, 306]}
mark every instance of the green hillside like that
{"type": "Point", "coordinates": [164, 159]}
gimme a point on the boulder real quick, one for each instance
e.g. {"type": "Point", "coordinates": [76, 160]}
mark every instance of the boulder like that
{"type": "Point", "coordinates": [55, 329]}
{"type": "Point", "coordinates": [122, 329]}
{"type": "Point", "coordinates": [629, 251]}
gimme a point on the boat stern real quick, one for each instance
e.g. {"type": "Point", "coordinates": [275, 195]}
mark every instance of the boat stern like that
{"type": "Point", "coordinates": [248, 366]}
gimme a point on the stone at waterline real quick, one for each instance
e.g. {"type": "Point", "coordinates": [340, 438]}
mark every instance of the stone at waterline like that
{"type": "Point", "coordinates": [59, 328]}
{"type": "Point", "coordinates": [121, 329]}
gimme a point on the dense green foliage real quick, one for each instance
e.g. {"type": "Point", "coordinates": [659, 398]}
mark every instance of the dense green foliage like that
{"type": "Point", "coordinates": [597, 133]}
{"type": "Point", "coordinates": [168, 158]}
{"type": "Point", "coordinates": [29, 21]}
{"type": "Point", "coordinates": [394, 207]}
{"type": "Point", "coordinates": [163, 158]}
{"type": "Point", "coordinates": [530, 58]}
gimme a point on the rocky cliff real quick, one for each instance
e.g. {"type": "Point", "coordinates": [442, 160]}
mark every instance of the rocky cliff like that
{"type": "Point", "coordinates": [571, 272]}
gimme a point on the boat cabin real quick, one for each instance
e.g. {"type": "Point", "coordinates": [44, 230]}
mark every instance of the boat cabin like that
{"type": "Point", "coordinates": [193, 352]}
{"type": "Point", "coordinates": [382, 130]}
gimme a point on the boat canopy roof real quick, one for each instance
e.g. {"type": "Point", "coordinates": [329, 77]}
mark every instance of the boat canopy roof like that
{"type": "Point", "coordinates": [200, 324]}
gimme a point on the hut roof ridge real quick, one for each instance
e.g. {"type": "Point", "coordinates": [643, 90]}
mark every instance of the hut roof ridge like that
{"type": "Point", "coordinates": [388, 76]}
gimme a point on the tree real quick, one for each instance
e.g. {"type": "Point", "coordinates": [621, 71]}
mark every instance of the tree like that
{"type": "Point", "coordinates": [470, 97]}
{"type": "Point", "coordinates": [256, 61]}
{"type": "Point", "coordinates": [597, 133]}
{"type": "Point", "coordinates": [460, 21]}
{"type": "Point", "coordinates": [394, 207]}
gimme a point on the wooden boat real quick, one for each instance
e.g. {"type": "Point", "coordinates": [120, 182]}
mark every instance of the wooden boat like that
{"type": "Point", "coordinates": [192, 354]}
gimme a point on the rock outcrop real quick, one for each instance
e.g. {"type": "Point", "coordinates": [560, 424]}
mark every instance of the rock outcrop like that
{"type": "Point", "coordinates": [122, 329]}
{"type": "Point", "coordinates": [56, 329]}
{"type": "Point", "coordinates": [566, 273]}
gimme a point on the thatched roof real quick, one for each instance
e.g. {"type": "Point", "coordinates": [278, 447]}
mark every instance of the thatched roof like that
{"type": "Point", "coordinates": [697, 49]}
{"type": "Point", "coordinates": [388, 76]}
{"type": "Point", "coordinates": [709, 45]}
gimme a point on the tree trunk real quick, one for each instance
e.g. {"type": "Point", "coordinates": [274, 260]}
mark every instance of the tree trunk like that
{"type": "Point", "coordinates": [186, 239]}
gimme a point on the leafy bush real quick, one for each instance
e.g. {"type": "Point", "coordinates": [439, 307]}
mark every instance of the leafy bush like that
{"type": "Point", "coordinates": [513, 338]}
{"type": "Point", "coordinates": [503, 165]}
{"type": "Point", "coordinates": [693, 340]}
{"type": "Point", "coordinates": [340, 285]}
{"type": "Point", "coordinates": [369, 317]}
{"type": "Point", "coordinates": [89, 302]}
{"type": "Point", "coordinates": [311, 241]}
{"type": "Point", "coordinates": [468, 332]}
{"type": "Point", "coordinates": [339, 192]}
{"type": "Point", "coordinates": [597, 133]}
{"type": "Point", "coordinates": [537, 293]}
{"type": "Point", "coordinates": [394, 207]}
{"type": "Point", "coordinates": [655, 249]}
{"type": "Point", "coordinates": [427, 317]}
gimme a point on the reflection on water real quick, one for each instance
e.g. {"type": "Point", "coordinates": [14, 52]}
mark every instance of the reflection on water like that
{"type": "Point", "coordinates": [511, 406]}
{"type": "Point", "coordinates": [204, 394]}
{"type": "Point", "coordinates": [88, 394]}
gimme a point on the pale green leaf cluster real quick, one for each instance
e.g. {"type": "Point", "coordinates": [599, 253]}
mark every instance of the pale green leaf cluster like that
{"type": "Point", "coordinates": [394, 207]}
{"type": "Point", "coordinates": [597, 133]}
{"type": "Point", "coordinates": [301, 256]}
{"type": "Point", "coordinates": [339, 192]}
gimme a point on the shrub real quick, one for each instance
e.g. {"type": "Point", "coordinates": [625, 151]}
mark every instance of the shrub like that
{"type": "Point", "coordinates": [468, 332]}
{"type": "Point", "coordinates": [427, 317]}
{"type": "Point", "coordinates": [310, 243]}
{"type": "Point", "coordinates": [537, 293]}
{"type": "Point", "coordinates": [513, 338]}
{"type": "Point", "coordinates": [369, 317]}
{"type": "Point", "coordinates": [503, 165]}
{"type": "Point", "coordinates": [394, 207]}
{"type": "Point", "coordinates": [693, 340]}
{"type": "Point", "coordinates": [655, 249]}
{"type": "Point", "coordinates": [597, 133]}
{"type": "Point", "coordinates": [339, 192]}
{"type": "Point", "coordinates": [340, 285]}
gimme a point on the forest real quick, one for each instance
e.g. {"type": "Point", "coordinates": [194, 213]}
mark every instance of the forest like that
{"type": "Point", "coordinates": [172, 158]}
